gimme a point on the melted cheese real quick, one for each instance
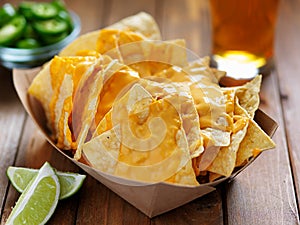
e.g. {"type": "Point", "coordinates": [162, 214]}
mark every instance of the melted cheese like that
{"type": "Point", "coordinates": [65, 73]}
{"type": "Point", "coordinates": [170, 124]}
{"type": "Point", "coordinates": [165, 158]}
{"type": "Point", "coordinates": [153, 145]}
{"type": "Point", "coordinates": [119, 82]}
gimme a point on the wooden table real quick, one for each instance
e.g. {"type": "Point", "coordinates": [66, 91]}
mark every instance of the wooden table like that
{"type": "Point", "coordinates": [267, 192]}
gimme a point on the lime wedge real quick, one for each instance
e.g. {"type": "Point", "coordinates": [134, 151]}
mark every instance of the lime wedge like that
{"type": "Point", "coordinates": [39, 199]}
{"type": "Point", "coordinates": [20, 177]}
{"type": "Point", "coordinates": [70, 183]}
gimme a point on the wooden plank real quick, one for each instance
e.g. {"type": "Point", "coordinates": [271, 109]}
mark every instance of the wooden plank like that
{"type": "Point", "coordinates": [12, 117]}
{"type": "Point", "coordinates": [121, 212]}
{"type": "Point", "coordinates": [205, 211]}
{"type": "Point", "coordinates": [93, 203]}
{"type": "Point", "coordinates": [260, 194]}
{"type": "Point", "coordinates": [33, 152]}
{"type": "Point", "coordinates": [91, 18]}
{"type": "Point", "coordinates": [288, 58]}
{"type": "Point", "coordinates": [99, 205]}
{"type": "Point", "coordinates": [264, 191]}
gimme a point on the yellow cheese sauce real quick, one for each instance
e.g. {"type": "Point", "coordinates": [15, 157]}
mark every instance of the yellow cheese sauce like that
{"type": "Point", "coordinates": [116, 84]}
{"type": "Point", "coordinates": [61, 104]}
{"type": "Point", "coordinates": [212, 104]}
{"type": "Point", "coordinates": [161, 109]}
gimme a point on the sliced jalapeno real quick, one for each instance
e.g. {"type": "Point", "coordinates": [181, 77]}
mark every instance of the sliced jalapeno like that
{"type": "Point", "coordinates": [44, 11]}
{"type": "Point", "coordinates": [25, 9]}
{"type": "Point", "coordinates": [64, 15]}
{"type": "Point", "coordinates": [29, 32]}
{"type": "Point", "coordinates": [59, 4]}
{"type": "Point", "coordinates": [28, 43]}
{"type": "Point", "coordinates": [54, 38]}
{"type": "Point", "coordinates": [33, 24]}
{"type": "Point", "coordinates": [50, 27]}
{"type": "Point", "coordinates": [7, 12]}
{"type": "Point", "coordinates": [12, 30]}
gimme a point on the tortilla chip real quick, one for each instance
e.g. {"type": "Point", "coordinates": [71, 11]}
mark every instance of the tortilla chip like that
{"type": "Point", "coordinates": [86, 100]}
{"type": "Point", "coordinates": [206, 158]}
{"type": "Point", "coordinates": [248, 95]}
{"type": "Point", "coordinates": [128, 101]}
{"type": "Point", "coordinates": [153, 144]}
{"type": "Point", "coordinates": [83, 42]}
{"type": "Point", "coordinates": [54, 87]}
{"type": "Point", "coordinates": [191, 72]}
{"type": "Point", "coordinates": [180, 97]}
{"type": "Point", "coordinates": [101, 153]}
{"type": "Point", "coordinates": [42, 90]}
{"type": "Point", "coordinates": [139, 109]}
{"type": "Point", "coordinates": [185, 176]}
{"type": "Point", "coordinates": [210, 100]}
{"type": "Point", "coordinates": [151, 58]}
{"type": "Point", "coordinates": [214, 176]}
{"type": "Point", "coordinates": [142, 24]}
{"type": "Point", "coordinates": [61, 114]}
{"type": "Point", "coordinates": [212, 152]}
{"type": "Point", "coordinates": [224, 163]}
{"type": "Point", "coordinates": [159, 165]}
{"type": "Point", "coordinates": [254, 140]}
{"type": "Point", "coordinates": [111, 39]}
{"type": "Point", "coordinates": [114, 84]}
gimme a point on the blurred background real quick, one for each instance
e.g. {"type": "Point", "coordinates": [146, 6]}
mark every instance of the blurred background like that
{"type": "Point", "coordinates": [170, 14]}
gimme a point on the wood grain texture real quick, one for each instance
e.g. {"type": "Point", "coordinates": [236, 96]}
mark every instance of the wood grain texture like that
{"type": "Point", "coordinates": [206, 210]}
{"type": "Point", "coordinates": [34, 150]}
{"type": "Point", "coordinates": [288, 68]}
{"type": "Point", "coordinates": [264, 191]}
{"type": "Point", "coordinates": [267, 192]}
{"type": "Point", "coordinates": [12, 116]}
{"type": "Point", "coordinates": [99, 205]}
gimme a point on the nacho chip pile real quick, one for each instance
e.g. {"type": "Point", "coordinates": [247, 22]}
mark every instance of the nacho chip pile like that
{"type": "Point", "coordinates": [133, 106]}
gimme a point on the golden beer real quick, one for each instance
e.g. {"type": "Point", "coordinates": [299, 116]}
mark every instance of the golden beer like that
{"type": "Point", "coordinates": [243, 32]}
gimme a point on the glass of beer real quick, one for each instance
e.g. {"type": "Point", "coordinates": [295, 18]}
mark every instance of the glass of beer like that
{"type": "Point", "coordinates": [243, 37]}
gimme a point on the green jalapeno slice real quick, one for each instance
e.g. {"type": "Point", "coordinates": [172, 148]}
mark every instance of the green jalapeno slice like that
{"type": "Point", "coordinates": [50, 27]}
{"type": "Point", "coordinates": [44, 11]}
{"type": "Point", "coordinates": [12, 30]}
{"type": "Point", "coordinates": [7, 12]}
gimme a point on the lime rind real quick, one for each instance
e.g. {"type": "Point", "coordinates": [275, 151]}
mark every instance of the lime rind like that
{"type": "Point", "coordinates": [20, 179]}
{"type": "Point", "coordinates": [70, 182]}
{"type": "Point", "coordinates": [39, 199]}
